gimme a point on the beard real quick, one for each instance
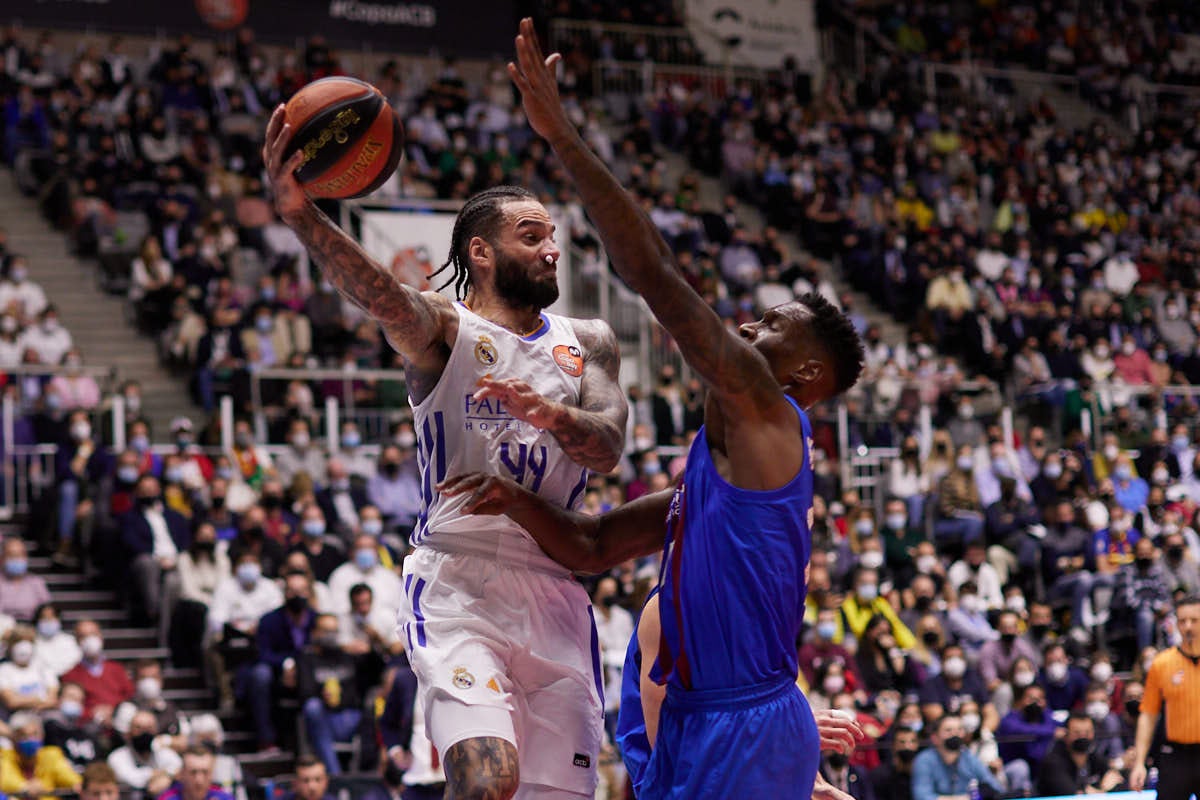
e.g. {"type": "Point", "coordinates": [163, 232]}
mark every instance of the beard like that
{"type": "Point", "coordinates": [514, 285]}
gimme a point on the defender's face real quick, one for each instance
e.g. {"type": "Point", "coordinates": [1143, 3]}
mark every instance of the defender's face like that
{"type": "Point", "coordinates": [526, 256]}
{"type": "Point", "coordinates": [782, 337]}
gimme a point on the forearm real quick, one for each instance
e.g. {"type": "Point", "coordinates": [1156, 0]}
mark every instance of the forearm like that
{"type": "Point", "coordinates": [589, 438]}
{"type": "Point", "coordinates": [1145, 734]}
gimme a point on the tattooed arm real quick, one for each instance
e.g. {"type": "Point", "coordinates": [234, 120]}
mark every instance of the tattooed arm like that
{"type": "Point", "coordinates": [414, 322]}
{"type": "Point", "coordinates": [579, 542]}
{"type": "Point", "coordinates": [483, 767]}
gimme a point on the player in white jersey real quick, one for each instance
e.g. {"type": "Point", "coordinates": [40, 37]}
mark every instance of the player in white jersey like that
{"type": "Point", "coordinates": [501, 638]}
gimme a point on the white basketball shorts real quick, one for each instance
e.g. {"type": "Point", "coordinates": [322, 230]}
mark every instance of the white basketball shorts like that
{"type": "Point", "coordinates": [506, 652]}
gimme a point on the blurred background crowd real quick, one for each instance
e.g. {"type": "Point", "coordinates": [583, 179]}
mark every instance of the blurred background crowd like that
{"type": "Point", "coordinates": [991, 574]}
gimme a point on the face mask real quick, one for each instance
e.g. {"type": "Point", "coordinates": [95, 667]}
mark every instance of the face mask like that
{"type": "Point", "coordinates": [1056, 672]}
{"type": "Point", "coordinates": [21, 653]}
{"type": "Point", "coordinates": [966, 412]}
{"type": "Point", "coordinates": [248, 574]}
{"type": "Point", "coordinates": [871, 559]}
{"type": "Point", "coordinates": [148, 501]}
{"type": "Point", "coordinates": [1015, 603]}
{"type": "Point", "coordinates": [1133, 707]}
{"type": "Point", "coordinates": [372, 527]}
{"type": "Point", "coordinates": [826, 630]}
{"type": "Point", "coordinates": [50, 325]}
{"type": "Point", "coordinates": [71, 709]}
{"type": "Point", "coordinates": [81, 431]}
{"type": "Point", "coordinates": [1144, 563]}
{"type": "Point", "coordinates": [391, 469]}
{"type": "Point", "coordinates": [173, 474]}
{"type": "Point", "coordinates": [405, 439]}
{"type": "Point", "coordinates": [906, 756]}
{"type": "Point", "coordinates": [837, 761]}
{"type": "Point", "coordinates": [19, 275]}
{"type": "Point", "coordinates": [1111, 452]}
{"type": "Point", "coordinates": [300, 440]}
{"type": "Point", "coordinates": [896, 522]}
{"type": "Point", "coordinates": [365, 559]}
{"type": "Point", "coordinates": [1174, 553]}
{"type": "Point", "coordinates": [15, 567]}
{"type": "Point", "coordinates": [1180, 443]}
{"type": "Point", "coordinates": [1022, 679]}
{"type": "Point", "coordinates": [926, 564]}
{"type": "Point", "coordinates": [1097, 710]}
{"type": "Point", "coordinates": [263, 324]}
{"type": "Point", "coordinates": [351, 440]}
{"type": "Point", "coordinates": [863, 527]}
{"type": "Point", "coordinates": [314, 527]}
{"type": "Point", "coordinates": [28, 748]}
{"type": "Point", "coordinates": [964, 463]}
{"type": "Point", "coordinates": [954, 667]}
{"type": "Point", "coordinates": [970, 603]}
{"type": "Point", "coordinates": [1160, 356]}
{"type": "Point", "coordinates": [296, 603]}
{"type": "Point", "coordinates": [651, 468]}
{"type": "Point", "coordinates": [868, 591]}
{"type": "Point", "coordinates": [9, 325]}
{"type": "Point", "coordinates": [1081, 745]}
{"type": "Point", "coordinates": [326, 641]}
{"type": "Point", "coordinates": [1123, 472]}
{"type": "Point", "coordinates": [1033, 712]}
{"type": "Point", "coordinates": [149, 688]}
{"type": "Point", "coordinates": [1102, 672]}
{"type": "Point", "coordinates": [833, 684]}
{"type": "Point", "coordinates": [242, 439]}
{"type": "Point", "coordinates": [953, 744]}
{"type": "Point", "coordinates": [1160, 475]}
{"type": "Point", "coordinates": [931, 638]}
{"type": "Point", "coordinates": [140, 443]}
{"type": "Point", "coordinates": [1128, 348]}
{"type": "Point", "coordinates": [91, 647]}
{"type": "Point", "coordinates": [127, 474]}
{"type": "Point", "coordinates": [142, 743]}
{"type": "Point", "coordinates": [225, 473]}
{"type": "Point", "coordinates": [1102, 353]}
{"type": "Point", "coordinates": [49, 628]}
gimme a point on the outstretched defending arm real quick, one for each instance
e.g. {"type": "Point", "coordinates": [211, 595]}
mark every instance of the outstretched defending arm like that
{"type": "Point", "coordinates": [411, 320]}
{"type": "Point", "coordinates": [577, 541]}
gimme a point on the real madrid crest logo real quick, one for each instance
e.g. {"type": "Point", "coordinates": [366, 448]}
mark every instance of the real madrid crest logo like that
{"type": "Point", "coordinates": [485, 352]}
{"type": "Point", "coordinates": [463, 679]}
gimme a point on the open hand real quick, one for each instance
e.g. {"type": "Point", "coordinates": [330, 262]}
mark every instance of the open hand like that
{"type": "Point", "coordinates": [533, 73]}
{"type": "Point", "coordinates": [486, 494]}
{"type": "Point", "coordinates": [289, 196]}
{"type": "Point", "coordinates": [837, 732]}
{"type": "Point", "coordinates": [520, 400]}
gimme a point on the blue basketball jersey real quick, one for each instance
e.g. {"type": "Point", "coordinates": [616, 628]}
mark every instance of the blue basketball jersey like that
{"type": "Point", "coordinates": [732, 582]}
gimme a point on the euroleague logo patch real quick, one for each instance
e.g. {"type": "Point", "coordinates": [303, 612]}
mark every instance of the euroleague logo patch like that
{"type": "Point", "coordinates": [569, 359]}
{"type": "Point", "coordinates": [485, 352]}
{"type": "Point", "coordinates": [463, 679]}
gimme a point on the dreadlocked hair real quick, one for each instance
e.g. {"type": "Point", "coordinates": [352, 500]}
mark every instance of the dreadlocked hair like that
{"type": "Point", "coordinates": [837, 335]}
{"type": "Point", "coordinates": [480, 216]}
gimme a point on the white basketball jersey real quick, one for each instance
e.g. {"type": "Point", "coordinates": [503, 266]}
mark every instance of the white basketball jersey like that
{"type": "Point", "coordinates": [457, 434]}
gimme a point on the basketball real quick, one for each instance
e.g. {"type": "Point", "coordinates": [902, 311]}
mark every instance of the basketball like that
{"type": "Point", "coordinates": [351, 138]}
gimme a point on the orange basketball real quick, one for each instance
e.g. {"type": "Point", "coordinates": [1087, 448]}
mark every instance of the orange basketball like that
{"type": "Point", "coordinates": [351, 138]}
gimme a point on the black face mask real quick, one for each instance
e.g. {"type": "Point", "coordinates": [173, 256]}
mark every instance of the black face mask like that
{"type": "Point", "coordinates": [1008, 638]}
{"type": "Point", "coordinates": [296, 604]}
{"type": "Point", "coordinates": [953, 744]}
{"type": "Point", "coordinates": [217, 502]}
{"type": "Point", "coordinates": [923, 603]}
{"type": "Point", "coordinates": [1039, 630]}
{"type": "Point", "coordinates": [838, 760]}
{"type": "Point", "coordinates": [147, 500]}
{"type": "Point", "coordinates": [391, 469]}
{"type": "Point", "coordinates": [930, 638]}
{"type": "Point", "coordinates": [1144, 563]}
{"type": "Point", "coordinates": [610, 601]}
{"type": "Point", "coordinates": [1174, 553]}
{"type": "Point", "coordinates": [271, 501]}
{"type": "Point", "coordinates": [1081, 745]}
{"type": "Point", "coordinates": [1133, 707]}
{"type": "Point", "coordinates": [255, 532]}
{"type": "Point", "coordinates": [1033, 712]}
{"type": "Point", "coordinates": [142, 742]}
{"type": "Point", "coordinates": [906, 756]}
{"type": "Point", "coordinates": [207, 548]}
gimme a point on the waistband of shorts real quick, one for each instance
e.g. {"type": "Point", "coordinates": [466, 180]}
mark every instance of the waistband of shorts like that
{"type": "Point", "coordinates": [505, 549]}
{"type": "Point", "coordinates": [730, 698]}
{"type": "Point", "coordinates": [1183, 747]}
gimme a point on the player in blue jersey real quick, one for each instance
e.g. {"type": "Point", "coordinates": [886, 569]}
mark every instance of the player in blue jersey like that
{"type": "Point", "coordinates": [732, 583]}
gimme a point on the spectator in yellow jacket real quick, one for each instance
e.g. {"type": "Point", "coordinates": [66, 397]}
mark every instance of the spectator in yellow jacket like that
{"type": "Point", "coordinates": [29, 768]}
{"type": "Point", "coordinates": [865, 602]}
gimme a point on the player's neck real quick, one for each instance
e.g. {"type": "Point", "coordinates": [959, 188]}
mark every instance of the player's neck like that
{"type": "Point", "coordinates": [521, 321]}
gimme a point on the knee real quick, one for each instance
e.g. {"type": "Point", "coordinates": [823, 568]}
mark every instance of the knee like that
{"type": "Point", "coordinates": [314, 710]}
{"type": "Point", "coordinates": [483, 768]}
{"type": "Point", "coordinates": [261, 676]}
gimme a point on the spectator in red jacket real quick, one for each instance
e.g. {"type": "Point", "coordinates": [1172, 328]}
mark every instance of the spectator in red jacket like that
{"type": "Point", "coordinates": [105, 683]}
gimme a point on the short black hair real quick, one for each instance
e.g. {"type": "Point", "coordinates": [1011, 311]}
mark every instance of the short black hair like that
{"type": "Point", "coordinates": [836, 334]}
{"type": "Point", "coordinates": [1187, 600]}
{"type": "Point", "coordinates": [481, 216]}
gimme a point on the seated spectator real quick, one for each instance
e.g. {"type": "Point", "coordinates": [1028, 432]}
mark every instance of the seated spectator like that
{"type": "Point", "coordinates": [302, 457]}
{"type": "Point", "coordinates": [829, 681]}
{"type": "Point", "coordinates": [202, 568]}
{"type": "Point", "coordinates": [1067, 562]}
{"type": "Point", "coordinates": [82, 741]}
{"type": "Point", "coordinates": [852, 779]}
{"type": "Point", "coordinates": [99, 782]}
{"type": "Point", "coordinates": [1179, 564]}
{"type": "Point", "coordinates": [396, 489]}
{"type": "Point", "coordinates": [146, 757]}
{"type": "Point", "coordinates": [1074, 765]}
{"type": "Point", "coordinates": [31, 768]}
{"type": "Point", "coordinates": [369, 629]}
{"type": "Point", "coordinates": [1141, 595]}
{"type": "Point", "coordinates": [819, 649]}
{"type": "Point", "coordinates": [48, 339]}
{"type": "Point", "coordinates": [864, 604]}
{"type": "Point", "coordinates": [324, 553]}
{"type": "Point", "coordinates": [960, 515]}
{"type": "Point", "coordinates": [981, 741]}
{"type": "Point", "coordinates": [900, 535]}
{"type": "Point", "coordinates": [239, 602]}
{"type": "Point", "coordinates": [207, 732]}
{"type": "Point", "coordinates": [312, 780]}
{"type": "Point", "coordinates": [1065, 685]}
{"type": "Point", "coordinates": [153, 537]}
{"type": "Point", "coordinates": [357, 462]}
{"type": "Point", "coordinates": [953, 686]}
{"type": "Point", "coordinates": [21, 593]}
{"type": "Point", "coordinates": [55, 650]}
{"type": "Point", "coordinates": [882, 664]}
{"type": "Point", "coordinates": [944, 769]}
{"type": "Point", "coordinates": [1106, 724]}
{"type": "Point", "coordinates": [24, 297]}
{"type": "Point", "coordinates": [892, 780]}
{"type": "Point", "coordinates": [148, 696]}
{"type": "Point", "coordinates": [1129, 490]}
{"type": "Point", "coordinates": [328, 686]}
{"type": "Point", "coordinates": [24, 684]}
{"type": "Point", "coordinates": [972, 567]}
{"type": "Point", "coordinates": [967, 621]}
{"type": "Point", "coordinates": [105, 683]}
{"type": "Point", "coordinates": [195, 778]}
{"type": "Point", "coordinates": [364, 567]}
{"type": "Point", "coordinates": [1012, 551]}
{"type": "Point", "coordinates": [281, 635]}
{"type": "Point", "coordinates": [76, 389]}
{"type": "Point", "coordinates": [1025, 733]}
{"type": "Point", "coordinates": [997, 657]}
{"type": "Point", "coordinates": [341, 500]}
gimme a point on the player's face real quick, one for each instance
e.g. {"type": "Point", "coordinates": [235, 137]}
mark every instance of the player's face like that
{"type": "Point", "coordinates": [526, 255]}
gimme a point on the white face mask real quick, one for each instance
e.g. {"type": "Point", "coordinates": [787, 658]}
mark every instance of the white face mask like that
{"type": "Point", "coordinates": [1097, 710]}
{"type": "Point", "coordinates": [926, 564]}
{"type": "Point", "coordinates": [21, 653]}
{"type": "Point", "coordinates": [970, 722]}
{"type": "Point", "coordinates": [954, 667]}
{"type": "Point", "coordinates": [91, 646]}
{"type": "Point", "coordinates": [1056, 672]}
{"type": "Point", "coordinates": [871, 559]}
{"type": "Point", "coordinates": [965, 463]}
{"type": "Point", "coordinates": [1101, 672]}
{"type": "Point", "coordinates": [1023, 678]}
{"type": "Point", "coordinates": [149, 688]}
